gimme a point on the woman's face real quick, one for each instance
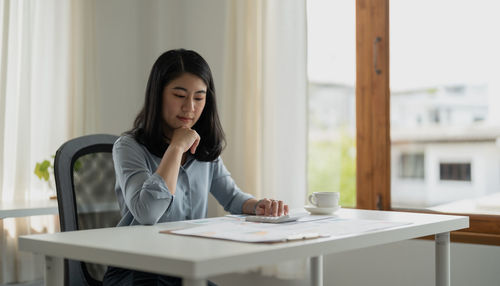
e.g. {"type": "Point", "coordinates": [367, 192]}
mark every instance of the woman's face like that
{"type": "Point", "coordinates": [183, 102]}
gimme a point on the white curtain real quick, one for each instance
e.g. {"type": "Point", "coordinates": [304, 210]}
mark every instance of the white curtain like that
{"type": "Point", "coordinates": [264, 104]}
{"type": "Point", "coordinates": [46, 97]}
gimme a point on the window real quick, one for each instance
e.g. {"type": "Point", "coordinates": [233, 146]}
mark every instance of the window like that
{"type": "Point", "coordinates": [459, 94]}
{"type": "Point", "coordinates": [331, 112]}
{"type": "Point", "coordinates": [444, 100]}
{"type": "Point", "coordinates": [411, 166]}
{"type": "Point", "coordinates": [454, 172]}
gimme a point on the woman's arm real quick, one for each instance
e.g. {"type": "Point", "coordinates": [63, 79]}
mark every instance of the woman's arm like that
{"type": "Point", "coordinates": [235, 201]}
{"type": "Point", "coordinates": [169, 167]}
{"type": "Point", "coordinates": [183, 139]}
{"type": "Point", "coordinates": [144, 193]}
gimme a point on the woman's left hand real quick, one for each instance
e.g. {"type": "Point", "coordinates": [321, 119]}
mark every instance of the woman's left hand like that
{"type": "Point", "coordinates": [270, 207]}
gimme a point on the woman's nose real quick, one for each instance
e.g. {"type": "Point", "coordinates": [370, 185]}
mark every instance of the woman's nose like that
{"type": "Point", "coordinates": [188, 104]}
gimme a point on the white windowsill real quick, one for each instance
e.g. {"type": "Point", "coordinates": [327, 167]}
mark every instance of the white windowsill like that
{"type": "Point", "coordinates": [28, 208]}
{"type": "Point", "coordinates": [487, 205]}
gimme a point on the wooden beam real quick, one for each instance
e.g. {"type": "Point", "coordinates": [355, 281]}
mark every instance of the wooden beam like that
{"type": "Point", "coordinates": [373, 175]}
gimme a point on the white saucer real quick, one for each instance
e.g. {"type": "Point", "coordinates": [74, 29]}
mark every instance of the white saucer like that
{"type": "Point", "coordinates": [321, 211]}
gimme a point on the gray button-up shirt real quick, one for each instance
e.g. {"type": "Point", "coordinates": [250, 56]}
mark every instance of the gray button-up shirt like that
{"type": "Point", "coordinates": [144, 197]}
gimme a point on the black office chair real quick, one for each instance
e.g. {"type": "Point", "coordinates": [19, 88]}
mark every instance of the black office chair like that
{"type": "Point", "coordinates": [85, 181]}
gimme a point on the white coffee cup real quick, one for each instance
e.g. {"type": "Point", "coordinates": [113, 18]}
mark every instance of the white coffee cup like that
{"type": "Point", "coordinates": [324, 199]}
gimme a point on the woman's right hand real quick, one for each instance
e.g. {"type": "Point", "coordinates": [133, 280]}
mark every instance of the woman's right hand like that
{"type": "Point", "coordinates": [185, 139]}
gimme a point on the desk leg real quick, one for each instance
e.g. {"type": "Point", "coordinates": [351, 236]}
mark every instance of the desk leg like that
{"type": "Point", "coordinates": [194, 282]}
{"type": "Point", "coordinates": [53, 271]}
{"type": "Point", "coordinates": [443, 259]}
{"type": "Point", "coordinates": [317, 271]}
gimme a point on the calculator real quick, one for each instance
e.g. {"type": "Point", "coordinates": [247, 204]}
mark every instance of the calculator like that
{"type": "Point", "coordinates": [271, 219]}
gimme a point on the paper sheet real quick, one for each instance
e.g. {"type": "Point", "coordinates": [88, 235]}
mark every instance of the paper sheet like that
{"type": "Point", "coordinates": [236, 228]}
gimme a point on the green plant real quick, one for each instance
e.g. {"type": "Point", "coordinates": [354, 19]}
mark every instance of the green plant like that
{"type": "Point", "coordinates": [44, 168]}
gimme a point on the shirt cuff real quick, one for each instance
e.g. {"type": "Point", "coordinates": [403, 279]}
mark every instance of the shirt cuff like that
{"type": "Point", "coordinates": [238, 201]}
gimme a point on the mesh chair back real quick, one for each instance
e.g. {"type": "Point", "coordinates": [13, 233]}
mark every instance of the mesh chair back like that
{"type": "Point", "coordinates": [85, 181]}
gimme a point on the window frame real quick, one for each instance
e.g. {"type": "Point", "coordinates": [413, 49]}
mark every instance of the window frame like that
{"type": "Point", "coordinates": [373, 145]}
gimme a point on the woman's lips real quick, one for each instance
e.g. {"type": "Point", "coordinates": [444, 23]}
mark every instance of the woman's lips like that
{"type": "Point", "coordinates": [184, 119]}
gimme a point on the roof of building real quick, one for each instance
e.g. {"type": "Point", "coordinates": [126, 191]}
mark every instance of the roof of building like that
{"type": "Point", "coordinates": [444, 134]}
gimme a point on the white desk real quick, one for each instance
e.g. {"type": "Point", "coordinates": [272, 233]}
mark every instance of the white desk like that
{"type": "Point", "coordinates": [28, 208]}
{"type": "Point", "coordinates": [195, 259]}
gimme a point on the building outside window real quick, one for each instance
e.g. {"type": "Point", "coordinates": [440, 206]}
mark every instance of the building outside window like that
{"type": "Point", "coordinates": [445, 104]}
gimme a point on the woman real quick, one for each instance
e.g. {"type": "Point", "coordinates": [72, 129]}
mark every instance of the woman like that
{"type": "Point", "coordinates": [169, 162]}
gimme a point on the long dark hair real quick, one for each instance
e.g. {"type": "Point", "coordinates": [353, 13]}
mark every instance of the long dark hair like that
{"type": "Point", "coordinates": [148, 124]}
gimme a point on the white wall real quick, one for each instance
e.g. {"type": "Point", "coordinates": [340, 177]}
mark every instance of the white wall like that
{"type": "Point", "coordinates": [132, 34]}
{"type": "Point", "coordinates": [120, 64]}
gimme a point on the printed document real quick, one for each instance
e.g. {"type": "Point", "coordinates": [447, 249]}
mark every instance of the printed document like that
{"type": "Point", "coordinates": [235, 227]}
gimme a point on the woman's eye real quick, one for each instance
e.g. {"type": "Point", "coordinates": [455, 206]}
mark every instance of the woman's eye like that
{"type": "Point", "coordinates": [179, 95]}
{"type": "Point", "coordinates": [199, 98]}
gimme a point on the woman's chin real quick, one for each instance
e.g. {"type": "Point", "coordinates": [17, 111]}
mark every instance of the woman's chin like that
{"type": "Point", "coordinates": [185, 125]}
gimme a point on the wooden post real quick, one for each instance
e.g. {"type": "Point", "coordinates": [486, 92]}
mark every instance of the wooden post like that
{"type": "Point", "coordinates": [373, 175]}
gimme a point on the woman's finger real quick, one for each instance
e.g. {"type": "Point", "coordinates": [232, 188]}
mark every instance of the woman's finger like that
{"type": "Point", "coordinates": [186, 138]}
{"type": "Point", "coordinates": [195, 144]}
{"type": "Point", "coordinates": [260, 208]}
{"type": "Point", "coordinates": [274, 208]}
{"type": "Point", "coordinates": [268, 205]}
